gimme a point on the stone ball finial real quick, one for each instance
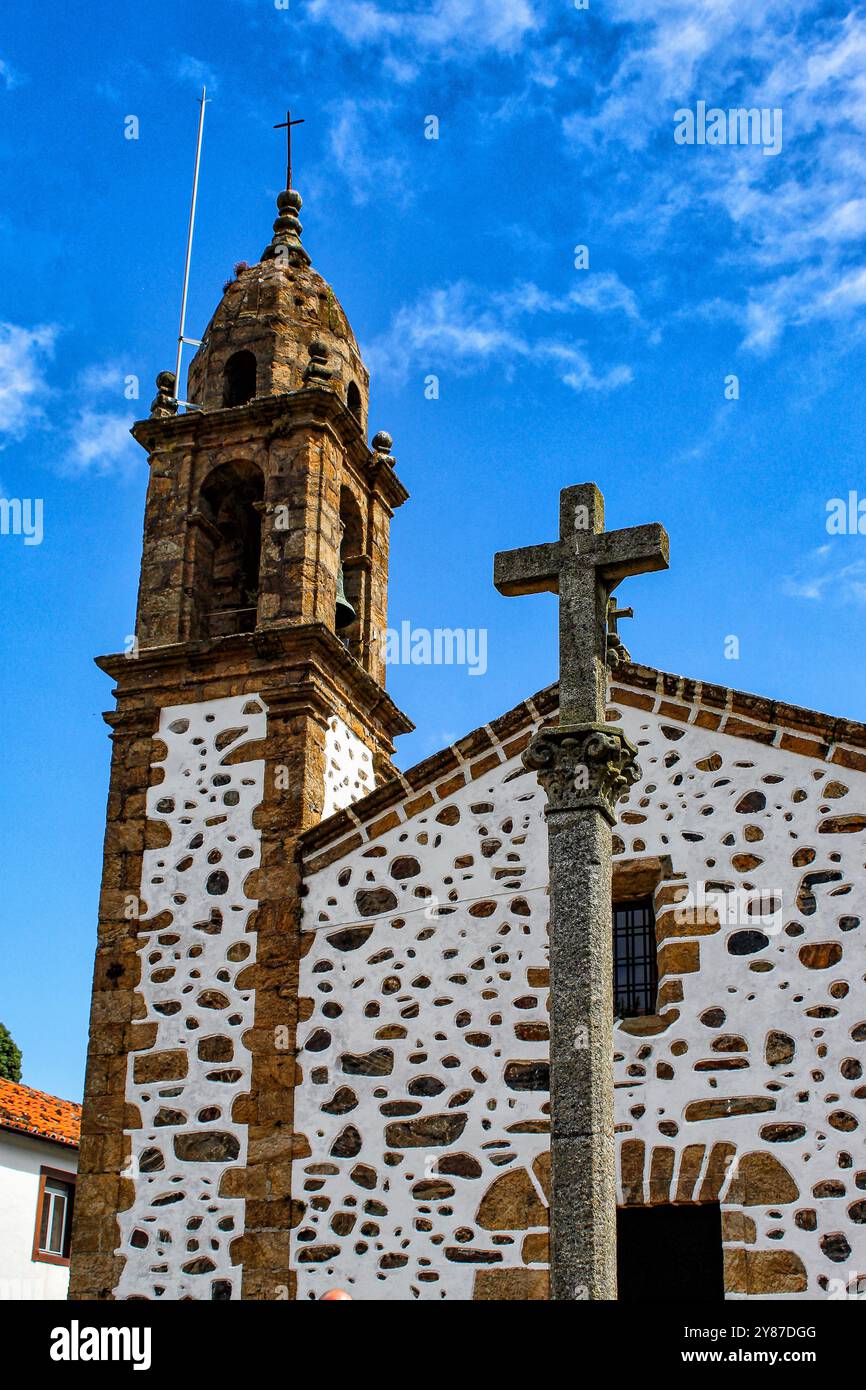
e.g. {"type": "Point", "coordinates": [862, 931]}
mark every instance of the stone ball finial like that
{"type": "Point", "coordinates": [286, 241]}
{"type": "Point", "coordinates": [165, 402]}
{"type": "Point", "coordinates": [382, 443]}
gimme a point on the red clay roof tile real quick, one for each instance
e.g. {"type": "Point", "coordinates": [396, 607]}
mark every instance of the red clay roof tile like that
{"type": "Point", "coordinates": [33, 1112]}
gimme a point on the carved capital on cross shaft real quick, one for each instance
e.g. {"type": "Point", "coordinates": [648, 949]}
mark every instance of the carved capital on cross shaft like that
{"type": "Point", "coordinates": [583, 767]}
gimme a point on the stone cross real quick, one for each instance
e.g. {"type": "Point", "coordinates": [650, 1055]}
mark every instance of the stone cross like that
{"type": "Point", "coordinates": [584, 765]}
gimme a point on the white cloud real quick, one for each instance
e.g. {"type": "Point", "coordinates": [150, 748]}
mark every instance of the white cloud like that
{"type": "Point", "coordinates": [799, 220]}
{"type": "Point", "coordinates": [448, 325]}
{"type": "Point", "coordinates": [99, 440]}
{"type": "Point", "coordinates": [793, 226]}
{"type": "Point", "coordinates": [100, 377]}
{"type": "Point", "coordinates": [458, 29]}
{"type": "Point", "coordinates": [583, 378]}
{"type": "Point", "coordinates": [466, 329]}
{"type": "Point", "coordinates": [23, 388]}
{"type": "Point", "coordinates": [100, 443]}
{"type": "Point", "coordinates": [826, 575]}
{"type": "Point", "coordinates": [598, 292]}
{"type": "Point", "coordinates": [356, 154]}
{"type": "Point", "coordinates": [603, 292]}
{"type": "Point", "coordinates": [190, 69]}
{"type": "Point", "coordinates": [8, 76]}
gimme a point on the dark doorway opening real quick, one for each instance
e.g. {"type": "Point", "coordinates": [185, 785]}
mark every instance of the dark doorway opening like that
{"type": "Point", "coordinates": [670, 1253]}
{"type": "Point", "coordinates": [351, 552]}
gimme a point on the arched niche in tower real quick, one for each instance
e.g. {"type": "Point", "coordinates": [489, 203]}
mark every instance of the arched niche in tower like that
{"type": "Point", "coordinates": [353, 398]}
{"type": "Point", "coordinates": [228, 556]}
{"type": "Point", "coordinates": [352, 557]}
{"type": "Point", "coordinates": [239, 378]}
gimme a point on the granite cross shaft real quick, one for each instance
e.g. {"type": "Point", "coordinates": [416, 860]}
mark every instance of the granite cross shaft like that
{"type": "Point", "coordinates": [584, 765]}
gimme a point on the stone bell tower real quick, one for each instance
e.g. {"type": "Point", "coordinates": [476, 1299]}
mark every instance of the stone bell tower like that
{"type": "Point", "coordinates": [251, 705]}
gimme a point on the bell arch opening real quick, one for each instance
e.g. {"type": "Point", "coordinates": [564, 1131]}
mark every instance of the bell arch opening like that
{"type": "Point", "coordinates": [239, 378]}
{"type": "Point", "coordinates": [226, 585]}
{"type": "Point", "coordinates": [353, 399]}
{"type": "Point", "coordinates": [349, 596]}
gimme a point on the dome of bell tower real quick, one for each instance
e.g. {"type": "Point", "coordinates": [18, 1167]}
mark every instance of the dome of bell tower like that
{"type": "Point", "coordinates": [278, 328]}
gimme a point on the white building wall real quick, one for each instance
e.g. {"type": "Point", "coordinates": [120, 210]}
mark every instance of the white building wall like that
{"type": "Point", "coordinates": [22, 1277]}
{"type": "Point", "coordinates": [348, 767]}
{"type": "Point", "coordinates": [422, 1057]}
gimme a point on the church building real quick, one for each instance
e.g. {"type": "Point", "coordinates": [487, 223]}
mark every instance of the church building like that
{"type": "Point", "coordinates": [320, 1034]}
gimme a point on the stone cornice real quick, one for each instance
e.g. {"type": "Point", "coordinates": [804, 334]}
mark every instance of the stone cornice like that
{"type": "Point", "coordinates": [737, 712]}
{"type": "Point", "coordinates": [312, 408]}
{"type": "Point", "coordinates": [298, 666]}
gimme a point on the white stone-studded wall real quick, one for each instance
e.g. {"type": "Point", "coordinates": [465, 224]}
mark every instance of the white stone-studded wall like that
{"type": "Point", "coordinates": [772, 1027]}
{"type": "Point", "coordinates": [424, 1038]}
{"type": "Point", "coordinates": [424, 1058]}
{"type": "Point", "coordinates": [176, 1237]}
{"type": "Point", "coordinates": [348, 767]}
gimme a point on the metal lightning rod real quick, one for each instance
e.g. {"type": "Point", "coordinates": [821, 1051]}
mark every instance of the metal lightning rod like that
{"type": "Point", "coordinates": [181, 339]}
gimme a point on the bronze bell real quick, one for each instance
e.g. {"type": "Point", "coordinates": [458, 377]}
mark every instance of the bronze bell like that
{"type": "Point", "coordinates": [345, 614]}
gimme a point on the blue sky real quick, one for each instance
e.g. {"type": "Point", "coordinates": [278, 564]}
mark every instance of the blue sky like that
{"type": "Point", "coordinates": [455, 258]}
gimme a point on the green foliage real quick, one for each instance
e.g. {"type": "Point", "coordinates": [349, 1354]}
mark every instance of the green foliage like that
{"type": "Point", "coordinates": [10, 1056]}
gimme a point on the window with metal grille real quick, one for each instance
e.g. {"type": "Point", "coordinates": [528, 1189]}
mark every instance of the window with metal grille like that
{"type": "Point", "coordinates": [635, 966]}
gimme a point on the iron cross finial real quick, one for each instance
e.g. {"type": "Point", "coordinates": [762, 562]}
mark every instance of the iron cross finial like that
{"type": "Point", "coordinates": [286, 125]}
{"type": "Point", "coordinates": [617, 652]}
{"type": "Point", "coordinates": [614, 613]}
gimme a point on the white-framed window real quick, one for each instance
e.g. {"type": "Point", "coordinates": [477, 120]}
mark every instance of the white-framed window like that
{"type": "Point", "coordinates": [54, 1216]}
